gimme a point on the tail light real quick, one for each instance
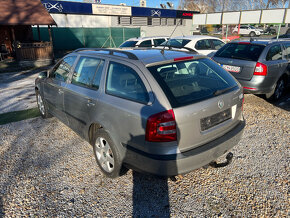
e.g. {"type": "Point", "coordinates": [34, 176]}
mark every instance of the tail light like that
{"type": "Point", "coordinates": [260, 69]}
{"type": "Point", "coordinates": [161, 127]}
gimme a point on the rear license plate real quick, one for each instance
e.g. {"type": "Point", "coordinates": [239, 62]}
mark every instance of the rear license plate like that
{"type": "Point", "coordinates": [211, 121]}
{"type": "Point", "coordinates": [230, 68]}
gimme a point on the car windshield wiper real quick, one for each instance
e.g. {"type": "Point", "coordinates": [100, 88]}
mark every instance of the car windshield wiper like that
{"type": "Point", "coordinates": [221, 91]}
{"type": "Point", "coordinates": [241, 58]}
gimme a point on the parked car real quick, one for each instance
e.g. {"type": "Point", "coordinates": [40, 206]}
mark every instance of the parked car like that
{"type": "Point", "coordinates": [144, 42]}
{"type": "Point", "coordinates": [247, 30]}
{"type": "Point", "coordinates": [262, 67]}
{"type": "Point", "coordinates": [202, 44]}
{"type": "Point", "coordinates": [160, 112]}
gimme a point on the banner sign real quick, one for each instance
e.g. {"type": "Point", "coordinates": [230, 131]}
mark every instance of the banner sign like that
{"type": "Point", "coordinates": [111, 10]}
{"type": "Point", "coordinates": [185, 14]}
{"type": "Point", "coordinates": [67, 7]}
{"type": "Point", "coordinates": [152, 12]}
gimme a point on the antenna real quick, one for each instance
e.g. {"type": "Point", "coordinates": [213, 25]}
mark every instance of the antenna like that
{"type": "Point", "coordinates": [162, 51]}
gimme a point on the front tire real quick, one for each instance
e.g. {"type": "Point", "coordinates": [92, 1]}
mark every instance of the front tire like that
{"type": "Point", "coordinates": [106, 154]}
{"type": "Point", "coordinates": [252, 34]}
{"type": "Point", "coordinates": [278, 92]}
{"type": "Point", "coordinates": [41, 106]}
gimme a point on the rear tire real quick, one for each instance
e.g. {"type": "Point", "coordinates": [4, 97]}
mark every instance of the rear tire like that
{"type": "Point", "coordinates": [106, 154]}
{"type": "Point", "coordinates": [278, 91]}
{"type": "Point", "coordinates": [42, 106]}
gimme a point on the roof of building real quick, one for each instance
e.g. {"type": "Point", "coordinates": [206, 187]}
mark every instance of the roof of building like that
{"type": "Point", "coordinates": [24, 12]}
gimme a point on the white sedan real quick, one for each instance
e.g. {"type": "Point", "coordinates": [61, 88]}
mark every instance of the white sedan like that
{"type": "Point", "coordinates": [206, 45]}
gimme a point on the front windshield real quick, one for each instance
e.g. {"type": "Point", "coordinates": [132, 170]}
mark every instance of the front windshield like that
{"type": "Point", "coordinates": [128, 44]}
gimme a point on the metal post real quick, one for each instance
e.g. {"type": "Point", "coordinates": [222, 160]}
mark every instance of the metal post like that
{"type": "Point", "coordinates": [279, 31]}
{"type": "Point", "coordinates": [50, 39]}
{"type": "Point", "coordinates": [227, 32]}
{"type": "Point", "coordinates": [38, 31]}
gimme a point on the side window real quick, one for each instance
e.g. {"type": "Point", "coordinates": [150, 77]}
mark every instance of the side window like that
{"type": "Point", "coordinates": [158, 41]}
{"type": "Point", "coordinates": [287, 50]}
{"type": "Point", "coordinates": [63, 69]}
{"type": "Point", "coordinates": [217, 44]}
{"type": "Point", "coordinates": [203, 45]}
{"type": "Point", "coordinates": [146, 43]}
{"type": "Point", "coordinates": [124, 82]}
{"type": "Point", "coordinates": [85, 71]}
{"type": "Point", "coordinates": [274, 53]}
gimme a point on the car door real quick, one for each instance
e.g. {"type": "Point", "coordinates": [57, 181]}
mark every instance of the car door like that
{"type": "Point", "coordinates": [54, 85]}
{"type": "Point", "coordinates": [286, 58]}
{"type": "Point", "coordinates": [274, 61]}
{"type": "Point", "coordinates": [81, 94]}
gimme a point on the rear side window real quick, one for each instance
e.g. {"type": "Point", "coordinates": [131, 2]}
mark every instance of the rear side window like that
{"type": "Point", "coordinates": [146, 43]}
{"type": "Point", "coordinates": [124, 82]}
{"type": "Point", "coordinates": [63, 69]}
{"type": "Point", "coordinates": [129, 44]}
{"type": "Point", "coordinates": [158, 41]}
{"type": "Point", "coordinates": [287, 50]}
{"type": "Point", "coordinates": [87, 71]}
{"type": "Point", "coordinates": [192, 81]}
{"type": "Point", "coordinates": [217, 44]}
{"type": "Point", "coordinates": [274, 53]}
{"type": "Point", "coordinates": [249, 52]}
{"type": "Point", "coordinates": [203, 45]}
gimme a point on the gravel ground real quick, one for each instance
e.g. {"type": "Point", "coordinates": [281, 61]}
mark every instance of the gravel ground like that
{"type": "Point", "coordinates": [47, 170]}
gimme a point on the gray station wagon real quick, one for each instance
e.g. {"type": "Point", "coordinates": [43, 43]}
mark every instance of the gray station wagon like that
{"type": "Point", "coordinates": [261, 66]}
{"type": "Point", "coordinates": [156, 111]}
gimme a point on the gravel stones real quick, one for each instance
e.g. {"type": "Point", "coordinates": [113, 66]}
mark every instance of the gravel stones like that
{"type": "Point", "coordinates": [47, 170]}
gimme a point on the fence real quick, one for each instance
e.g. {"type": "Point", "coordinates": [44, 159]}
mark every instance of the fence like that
{"type": "Point", "coordinates": [73, 38]}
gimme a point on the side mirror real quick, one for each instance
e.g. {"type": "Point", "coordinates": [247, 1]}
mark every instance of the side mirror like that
{"type": "Point", "coordinates": [43, 74]}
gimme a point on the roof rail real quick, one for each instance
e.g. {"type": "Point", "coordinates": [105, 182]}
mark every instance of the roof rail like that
{"type": "Point", "coordinates": [111, 52]}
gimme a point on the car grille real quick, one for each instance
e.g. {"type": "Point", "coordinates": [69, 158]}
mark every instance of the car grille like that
{"type": "Point", "coordinates": [211, 121]}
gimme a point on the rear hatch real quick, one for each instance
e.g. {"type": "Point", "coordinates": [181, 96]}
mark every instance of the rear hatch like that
{"type": "Point", "coordinates": [206, 100]}
{"type": "Point", "coordinates": [239, 59]}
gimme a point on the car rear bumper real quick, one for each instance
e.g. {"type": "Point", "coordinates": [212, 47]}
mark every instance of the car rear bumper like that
{"type": "Point", "coordinates": [258, 85]}
{"type": "Point", "coordinates": [174, 164]}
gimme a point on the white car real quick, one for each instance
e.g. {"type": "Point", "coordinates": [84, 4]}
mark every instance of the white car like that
{"type": "Point", "coordinates": [206, 45]}
{"type": "Point", "coordinates": [144, 42]}
{"type": "Point", "coordinates": [247, 30]}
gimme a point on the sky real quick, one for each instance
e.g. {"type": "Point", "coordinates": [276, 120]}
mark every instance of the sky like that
{"type": "Point", "coordinates": [150, 3]}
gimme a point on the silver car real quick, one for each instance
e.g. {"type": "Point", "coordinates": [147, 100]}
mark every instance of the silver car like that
{"type": "Point", "coordinates": [156, 111]}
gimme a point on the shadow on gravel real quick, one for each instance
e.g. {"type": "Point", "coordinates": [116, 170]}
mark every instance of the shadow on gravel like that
{"type": "Point", "coordinates": [150, 196]}
{"type": "Point", "coordinates": [2, 214]}
{"type": "Point", "coordinates": [283, 102]}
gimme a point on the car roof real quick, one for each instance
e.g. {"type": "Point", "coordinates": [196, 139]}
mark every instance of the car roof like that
{"type": "Point", "coordinates": [145, 55]}
{"type": "Point", "coordinates": [147, 37]}
{"type": "Point", "coordinates": [194, 37]}
{"type": "Point", "coordinates": [260, 41]}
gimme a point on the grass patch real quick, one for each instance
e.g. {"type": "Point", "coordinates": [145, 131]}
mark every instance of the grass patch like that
{"type": "Point", "coordinates": [18, 115]}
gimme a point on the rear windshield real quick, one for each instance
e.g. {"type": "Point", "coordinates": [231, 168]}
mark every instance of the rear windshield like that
{"type": "Point", "coordinates": [192, 81]}
{"type": "Point", "coordinates": [176, 42]}
{"type": "Point", "coordinates": [128, 44]}
{"type": "Point", "coordinates": [249, 52]}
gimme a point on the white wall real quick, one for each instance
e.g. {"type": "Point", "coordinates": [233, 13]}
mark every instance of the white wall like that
{"type": "Point", "coordinates": [75, 20]}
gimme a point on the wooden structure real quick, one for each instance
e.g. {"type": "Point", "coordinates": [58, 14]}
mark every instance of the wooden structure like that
{"type": "Point", "coordinates": [16, 18]}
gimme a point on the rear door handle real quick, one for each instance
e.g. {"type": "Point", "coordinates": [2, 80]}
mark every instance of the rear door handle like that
{"type": "Point", "coordinates": [90, 103]}
{"type": "Point", "coordinates": [60, 91]}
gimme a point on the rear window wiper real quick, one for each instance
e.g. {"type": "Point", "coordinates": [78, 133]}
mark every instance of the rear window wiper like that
{"type": "Point", "coordinates": [221, 91]}
{"type": "Point", "coordinates": [241, 58]}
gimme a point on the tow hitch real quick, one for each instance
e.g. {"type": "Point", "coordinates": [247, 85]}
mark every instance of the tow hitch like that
{"type": "Point", "coordinates": [229, 158]}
